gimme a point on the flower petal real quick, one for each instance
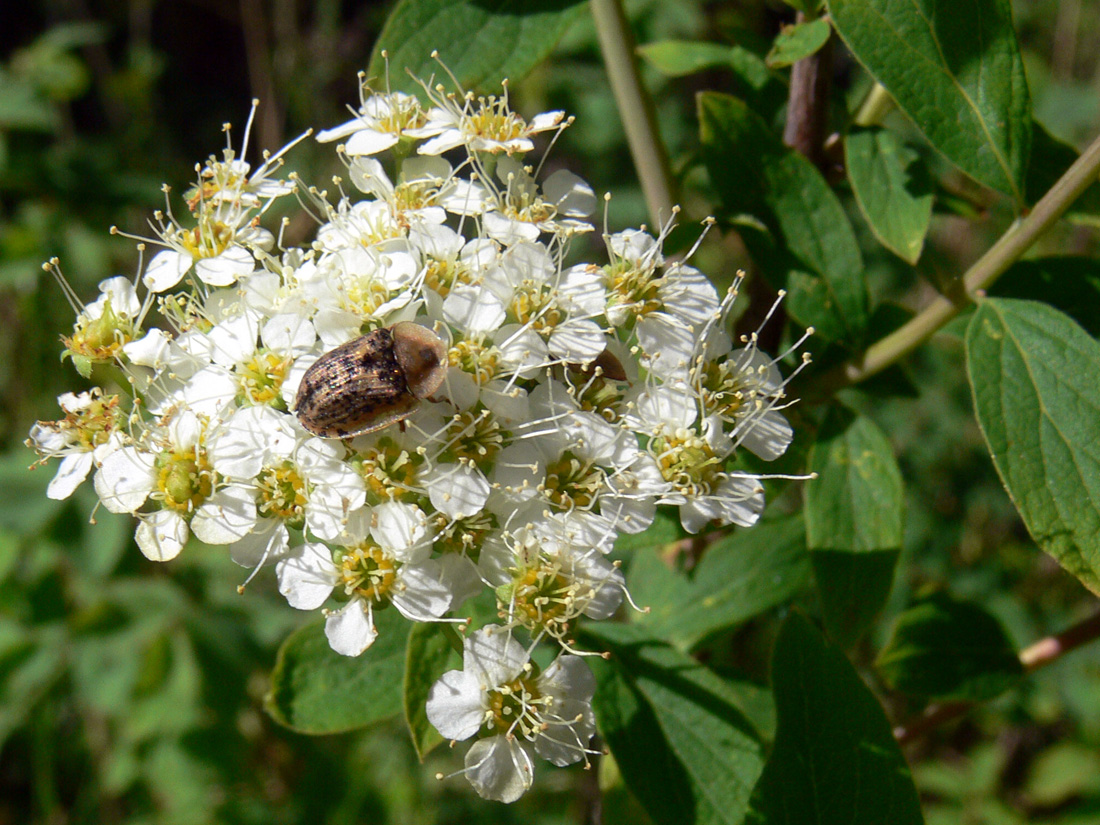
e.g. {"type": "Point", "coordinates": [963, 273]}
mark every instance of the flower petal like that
{"type": "Point", "coordinates": [307, 577]}
{"type": "Point", "coordinates": [166, 270]}
{"type": "Point", "coordinates": [499, 768]}
{"type": "Point", "coordinates": [161, 535]}
{"type": "Point", "coordinates": [125, 480]}
{"type": "Point", "coordinates": [351, 630]}
{"type": "Point", "coordinates": [226, 517]}
{"type": "Point", "coordinates": [456, 705]}
{"type": "Point", "coordinates": [458, 490]}
{"type": "Point", "coordinates": [70, 475]}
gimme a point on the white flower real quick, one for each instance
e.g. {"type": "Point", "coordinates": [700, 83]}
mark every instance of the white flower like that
{"type": "Point", "coordinates": [570, 459]}
{"type": "Point", "coordinates": [690, 454]}
{"type": "Point", "coordinates": [380, 122]}
{"type": "Point", "coordinates": [169, 467]}
{"type": "Point", "coordinates": [500, 696]}
{"type": "Point", "coordinates": [250, 365]}
{"type": "Point", "coordinates": [484, 124]}
{"type": "Point", "coordinates": [278, 477]}
{"type": "Point", "coordinates": [745, 388]}
{"type": "Point", "coordinates": [529, 284]}
{"type": "Point", "coordinates": [383, 558]}
{"type": "Point", "coordinates": [82, 439]}
{"type": "Point", "coordinates": [552, 571]}
{"type": "Point", "coordinates": [104, 327]}
{"type": "Point", "coordinates": [415, 199]}
{"type": "Point", "coordinates": [521, 212]}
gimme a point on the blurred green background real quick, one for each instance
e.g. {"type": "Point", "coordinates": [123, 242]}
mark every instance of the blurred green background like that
{"type": "Point", "coordinates": [132, 692]}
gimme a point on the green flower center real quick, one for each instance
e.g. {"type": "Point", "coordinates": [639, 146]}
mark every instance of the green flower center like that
{"type": "Point", "coordinates": [474, 436]}
{"type": "Point", "coordinates": [102, 338]}
{"type": "Point", "coordinates": [261, 378]}
{"type": "Point", "coordinates": [723, 390]}
{"type": "Point", "coordinates": [540, 598]}
{"type": "Point", "coordinates": [184, 480]}
{"type": "Point", "coordinates": [364, 296]}
{"type": "Point", "coordinates": [207, 240]}
{"type": "Point", "coordinates": [463, 536]}
{"type": "Point", "coordinates": [533, 303]}
{"type": "Point", "coordinates": [444, 275]}
{"type": "Point", "coordinates": [389, 471]}
{"type": "Point", "coordinates": [282, 494]}
{"type": "Point", "coordinates": [596, 394]}
{"type": "Point", "coordinates": [517, 706]}
{"type": "Point", "coordinates": [494, 121]}
{"type": "Point", "coordinates": [367, 572]}
{"type": "Point", "coordinates": [476, 358]}
{"type": "Point", "coordinates": [571, 482]}
{"type": "Point", "coordinates": [404, 114]}
{"type": "Point", "coordinates": [632, 287]}
{"type": "Point", "coordinates": [687, 462]}
{"type": "Point", "coordinates": [94, 424]}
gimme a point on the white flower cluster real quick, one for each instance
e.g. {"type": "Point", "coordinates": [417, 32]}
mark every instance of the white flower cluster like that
{"type": "Point", "coordinates": [577, 398]}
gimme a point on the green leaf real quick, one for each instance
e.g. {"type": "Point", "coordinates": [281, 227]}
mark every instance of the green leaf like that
{"type": "Point", "coordinates": [797, 42]}
{"type": "Point", "coordinates": [23, 108]}
{"type": "Point", "coordinates": [751, 77]}
{"type": "Point", "coordinates": [949, 650]}
{"type": "Point", "coordinates": [665, 529]}
{"type": "Point", "coordinates": [481, 43]}
{"type": "Point", "coordinates": [83, 365]}
{"type": "Point", "coordinates": [803, 5]}
{"type": "Point", "coordinates": [1035, 376]}
{"type": "Point", "coordinates": [1063, 772]}
{"type": "Point", "coordinates": [428, 656]}
{"type": "Point", "coordinates": [755, 173]}
{"type": "Point", "coordinates": [892, 188]}
{"type": "Point", "coordinates": [683, 746]}
{"type": "Point", "coordinates": [835, 759]}
{"type": "Point", "coordinates": [741, 576]}
{"type": "Point", "coordinates": [1068, 283]}
{"type": "Point", "coordinates": [955, 70]}
{"type": "Point", "coordinates": [316, 690]}
{"type": "Point", "coordinates": [24, 508]}
{"type": "Point", "coordinates": [31, 663]}
{"type": "Point", "coordinates": [855, 503]}
{"type": "Point", "coordinates": [853, 589]}
{"type": "Point", "coordinates": [677, 58]}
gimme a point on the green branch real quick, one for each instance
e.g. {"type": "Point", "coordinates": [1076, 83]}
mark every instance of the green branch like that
{"type": "Point", "coordinates": [1042, 653]}
{"type": "Point", "coordinates": [1006, 251]}
{"type": "Point", "coordinates": [635, 108]}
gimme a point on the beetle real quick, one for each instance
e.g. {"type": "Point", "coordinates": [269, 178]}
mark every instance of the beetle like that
{"type": "Point", "coordinates": [372, 381]}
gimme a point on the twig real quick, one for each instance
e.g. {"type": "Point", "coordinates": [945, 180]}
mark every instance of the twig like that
{"type": "Point", "coordinates": [808, 101]}
{"type": "Point", "coordinates": [1042, 653]}
{"type": "Point", "coordinates": [1016, 240]}
{"type": "Point", "coordinates": [635, 108]}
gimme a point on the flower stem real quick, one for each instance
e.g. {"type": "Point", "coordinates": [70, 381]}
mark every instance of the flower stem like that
{"type": "Point", "coordinates": [635, 108]}
{"type": "Point", "coordinates": [986, 270]}
{"type": "Point", "coordinates": [1042, 653]}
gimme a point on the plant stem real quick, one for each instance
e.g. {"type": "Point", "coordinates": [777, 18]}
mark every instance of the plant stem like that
{"type": "Point", "coordinates": [635, 108]}
{"type": "Point", "coordinates": [808, 100]}
{"type": "Point", "coordinates": [1042, 653]}
{"type": "Point", "coordinates": [999, 257]}
{"type": "Point", "coordinates": [875, 107]}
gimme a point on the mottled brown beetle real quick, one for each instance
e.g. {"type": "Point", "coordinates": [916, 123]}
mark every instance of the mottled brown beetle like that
{"type": "Point", "coordinates": [371, 382]}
